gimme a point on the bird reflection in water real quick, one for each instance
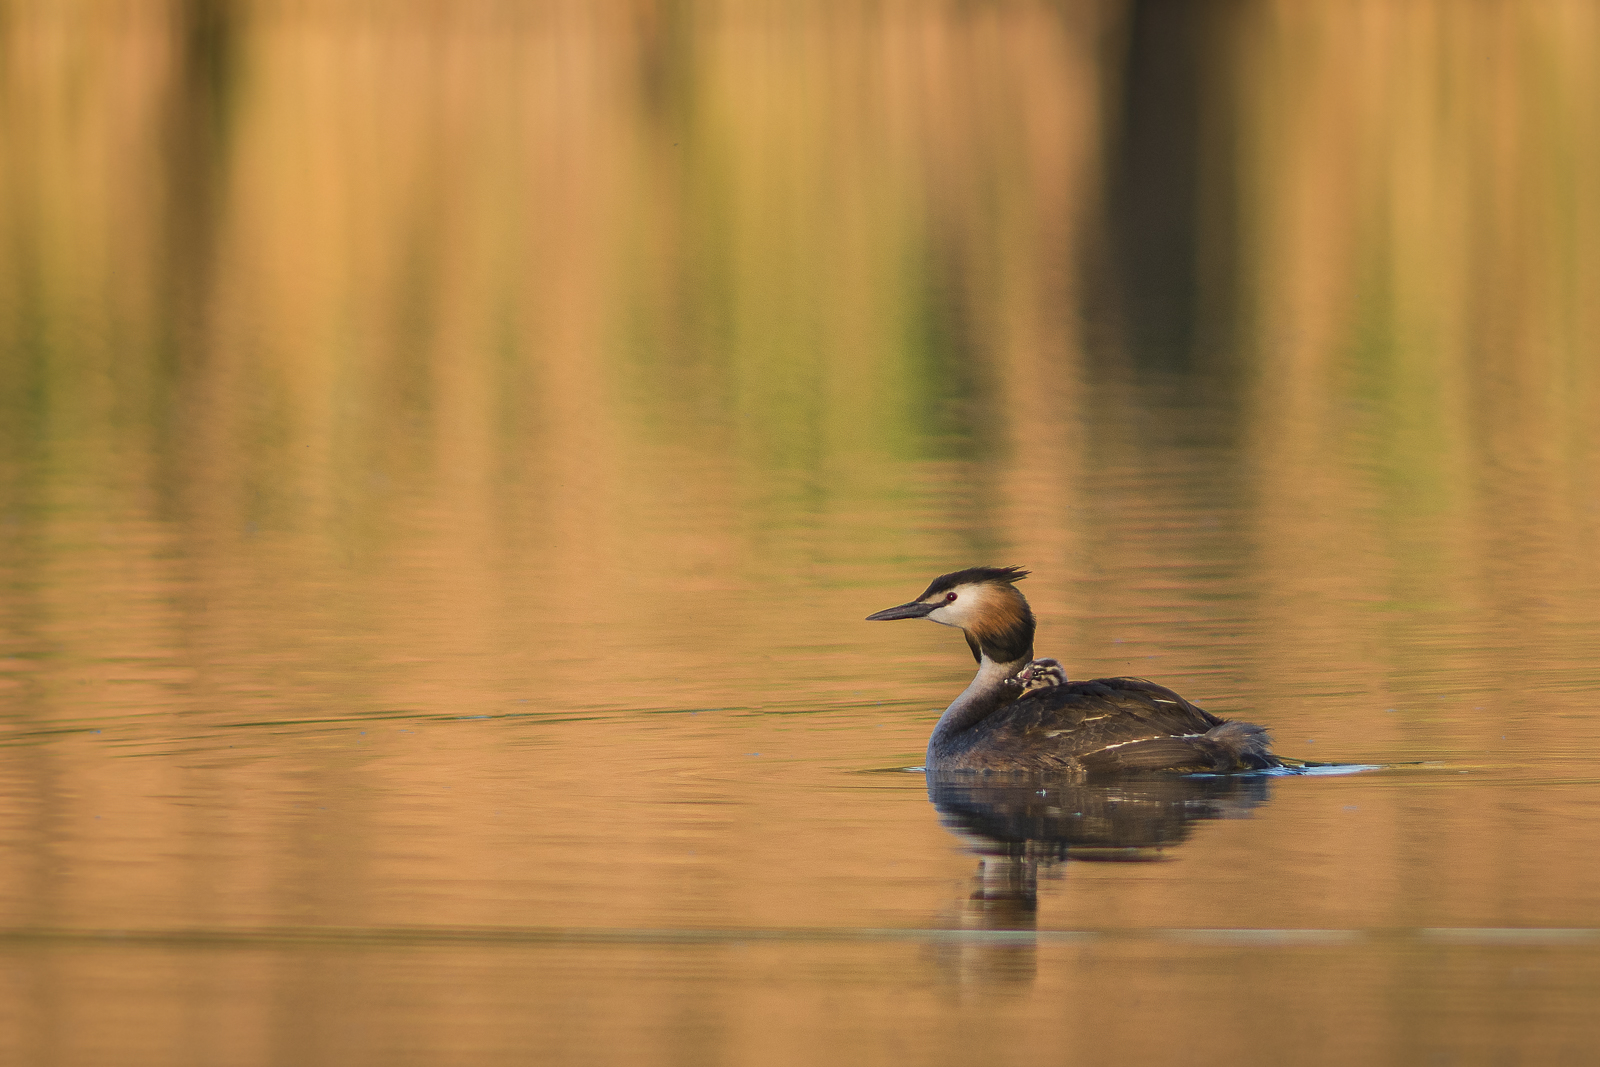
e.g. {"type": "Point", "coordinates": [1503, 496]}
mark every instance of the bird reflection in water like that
{"type": "Point", "coordinates": [1018, 827]}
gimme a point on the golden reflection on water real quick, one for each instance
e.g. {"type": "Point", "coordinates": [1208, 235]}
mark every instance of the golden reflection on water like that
{"type": "Point", "coordinates": [446, 452]}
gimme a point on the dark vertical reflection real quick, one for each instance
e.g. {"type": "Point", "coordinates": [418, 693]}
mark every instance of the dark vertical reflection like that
{"type": "Point", "coordinates": [1154, 198]}
{"type": "Point", "coordinates": [198, 118]}
{"type": "Point", "coordinates": [1166, 300]}
{"type": "Point", "coordinates": [1169, 186]}
{"type": "Point", "coordinates": [1168, 403]}
{"type": "Point", "coordinates": [203, 91]}
{"type": "Point", "coordinates": [679, 336]}
{"type": "Point", "coordinates": [666, 62]}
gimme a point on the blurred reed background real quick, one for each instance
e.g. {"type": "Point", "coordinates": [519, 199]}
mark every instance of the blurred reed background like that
{"type": "Point", "coordinates": [495, 336]}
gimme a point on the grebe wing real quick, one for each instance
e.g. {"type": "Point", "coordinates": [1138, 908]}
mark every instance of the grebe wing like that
{"type": "Point", "coordinates": [1122, 724]}
{"type": "Point", "coordinates": [1110, 710]}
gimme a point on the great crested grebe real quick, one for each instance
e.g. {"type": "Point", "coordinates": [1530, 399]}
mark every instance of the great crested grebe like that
{"type": "Point", "coordinates": [1021, 714]}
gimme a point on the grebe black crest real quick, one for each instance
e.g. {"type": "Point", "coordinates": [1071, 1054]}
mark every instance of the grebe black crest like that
{"type": "Point", "coordinates": [1023, 714]}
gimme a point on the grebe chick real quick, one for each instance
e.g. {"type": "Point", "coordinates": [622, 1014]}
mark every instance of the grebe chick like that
{"type": "Point", "coordinates": [1022, 714]}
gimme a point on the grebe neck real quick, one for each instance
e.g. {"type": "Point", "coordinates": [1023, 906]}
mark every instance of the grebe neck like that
{"type": "Point", "coordinates": [986, 694]}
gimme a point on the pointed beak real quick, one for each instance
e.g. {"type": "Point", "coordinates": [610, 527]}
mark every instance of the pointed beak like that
{"type": "Point", "coordinates": [914, 610]}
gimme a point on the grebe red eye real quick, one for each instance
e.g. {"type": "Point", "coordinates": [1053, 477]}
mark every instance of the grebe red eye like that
{"type": "Point", "coordinates": [949, 598]}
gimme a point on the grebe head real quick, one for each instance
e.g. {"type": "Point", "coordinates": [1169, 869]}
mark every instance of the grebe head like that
{"type": "Point", "coordinates": [983, 602]}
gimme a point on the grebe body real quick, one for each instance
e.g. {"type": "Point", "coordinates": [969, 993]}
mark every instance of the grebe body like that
{"type": "Point", "coordinates": [1022, 714]}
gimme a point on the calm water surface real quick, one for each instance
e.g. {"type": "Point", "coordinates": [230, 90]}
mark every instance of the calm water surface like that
{"type": "Point", "coordinates": [447, 455]}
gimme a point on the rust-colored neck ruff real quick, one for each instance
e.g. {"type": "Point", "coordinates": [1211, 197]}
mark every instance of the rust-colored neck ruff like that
{"type": "Point", "coordinates": [1001, 626]}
